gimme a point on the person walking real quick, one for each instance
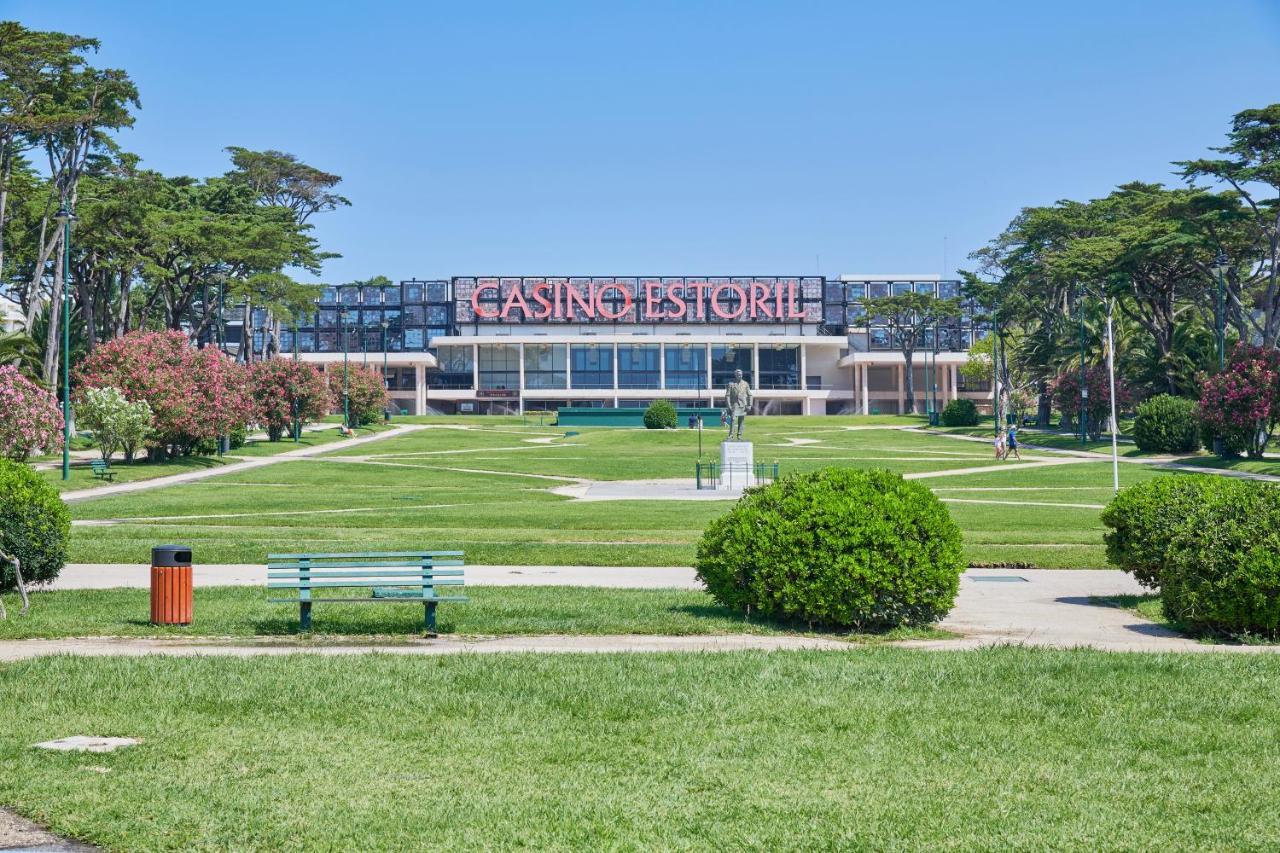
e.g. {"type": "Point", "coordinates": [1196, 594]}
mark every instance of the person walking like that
{"type": "Point", "coordinates": [1012, 446]}
{"type": "Point", "coordinates": [999, 443]}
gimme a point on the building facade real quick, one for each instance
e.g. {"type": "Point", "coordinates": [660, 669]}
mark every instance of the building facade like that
{"type": "Point", "coordinates": [513, 344]}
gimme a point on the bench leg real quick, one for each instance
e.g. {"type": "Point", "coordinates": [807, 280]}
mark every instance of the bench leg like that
{"type": "Point", "coordinates": [304, 616]}
{"type": "Point", "coordinates": [431, 617]}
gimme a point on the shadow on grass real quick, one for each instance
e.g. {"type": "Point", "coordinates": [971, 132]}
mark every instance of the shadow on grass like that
{"type": "Point", "coordinates": [723, 614]}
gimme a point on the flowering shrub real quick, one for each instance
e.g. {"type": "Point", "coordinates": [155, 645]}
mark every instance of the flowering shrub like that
{"type": "Point", "coordinates": [117, 423]}
{"type": "Point", "coordinates": [366, 392]}
{"type": "Point", "coordinates": [1241, 405]}
{"type": "Point", "coordinates": [1066, 396]}
{"type": "Point", "coordinates": [194, 394]}
{"type": "Point", "coordinates": [284, 389]}
{"type": "Point", "coordinates": [31, 419]}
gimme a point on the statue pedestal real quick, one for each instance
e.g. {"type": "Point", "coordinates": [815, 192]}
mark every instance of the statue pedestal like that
{"type": "Point", "coordinates": [737, 465]}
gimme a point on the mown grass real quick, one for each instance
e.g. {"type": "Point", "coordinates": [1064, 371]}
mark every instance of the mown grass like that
{"type": "Point", "coordinates": [82, 476]}
{"type": "Point", "coordinates": [868, 749]}
{"type": "Point", "coordinates": [486, 489]}
{"type": "Point", "coordinates": [492, 611]}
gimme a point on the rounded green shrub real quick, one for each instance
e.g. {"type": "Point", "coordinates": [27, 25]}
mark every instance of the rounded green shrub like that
{"type": "Point", "coordinates": [838, 547]}
{"type": "Point", "coordinates": [1214, 552]}
{"type": "Point", "coordinates": [34, 526]}
{"type": "Point", "coordinates": [1167, 424]}
{"type": "Point", "coordinates": [1143, 517]}
{"type": "Point", "coordinates": [660, 415]}
{"type": "Point", "coordinates": [960, 412]}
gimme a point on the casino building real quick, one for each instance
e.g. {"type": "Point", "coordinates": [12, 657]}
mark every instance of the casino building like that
{"type": "Point", "coordinates": [508, 345]}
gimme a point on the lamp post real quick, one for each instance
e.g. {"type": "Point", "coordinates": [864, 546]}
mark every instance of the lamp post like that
{"type": "Point", "coordinates": [1220, 264]}
{"type": "Point", "coordinates": [384, 324]}
{"type": "Point", "coordinates": [1084, 388]}
{"type": "Point", "coordinates": [65, 217]}
{"type": "Point", "coordinates": [346, 408]}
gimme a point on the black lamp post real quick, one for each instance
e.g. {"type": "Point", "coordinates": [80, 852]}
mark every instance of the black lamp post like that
{"type": "Point", "coordinates": [65, 217]}
{"type": "Point", "coordinates": [385, 384]}
{"type": "Point", "coordinates": [346, 407]}
{"type": "Point", "coordinates": [1084, 388]}
{"type": "Point", "coordinates": [1220, 264]}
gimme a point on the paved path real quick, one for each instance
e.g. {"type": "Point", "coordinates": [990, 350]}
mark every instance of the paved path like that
{"type": "Point", "coordinates": [18, 833]}
{"type": "Point", "coordinates": [1171, 463]}
{"type": "Point", "coordinates": [107, 576]}
{"type": "Point", "coordinates": [556, 644]}
{"type": "Point", "coordinates": [234, 467]}
{"type": "Point", "coordinates": [1036, 607]}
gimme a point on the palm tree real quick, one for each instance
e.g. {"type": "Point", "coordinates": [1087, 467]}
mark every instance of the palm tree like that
{"type": "Point", "coordinates": [20, 350]}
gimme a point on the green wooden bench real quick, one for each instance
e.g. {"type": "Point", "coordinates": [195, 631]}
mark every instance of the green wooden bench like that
{"type": "Point", "coordinates": [391, 576]}
{"type": "Point", "coordinates": [102, 470]}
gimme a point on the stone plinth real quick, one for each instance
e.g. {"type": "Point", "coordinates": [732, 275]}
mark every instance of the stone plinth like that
{"type": "Point", "coordinates": [737, 465]}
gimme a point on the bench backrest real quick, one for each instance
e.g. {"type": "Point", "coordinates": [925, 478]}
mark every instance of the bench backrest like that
{"type": "Point", "coordinates": [366, 569]}
{"type": "Point", "coordinates": [97, 463]}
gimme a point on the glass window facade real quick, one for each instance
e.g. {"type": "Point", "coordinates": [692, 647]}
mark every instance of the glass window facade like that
{"type": "Point", "coordinates": [455, 368]}
{"type": "Point", "coordinates": [686, 366]}
{"type": "Point", "coordinates": [638, 366]}
{"type": "Point", "coordinates": [725, 359]}
{"type": "Point", "coordinates": [499, 366]}
{"type": "Point", "coordinates": [592, 366]}
{"type": "Point", "coordinates": [544, 366]}
{"type": "Point", "coordinates": [779, 366]}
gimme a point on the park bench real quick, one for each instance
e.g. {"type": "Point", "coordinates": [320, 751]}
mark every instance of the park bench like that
{"type": "Point", "coordinates": [396, 576]}
{"type": "Point", "coordinates": [102, 470]}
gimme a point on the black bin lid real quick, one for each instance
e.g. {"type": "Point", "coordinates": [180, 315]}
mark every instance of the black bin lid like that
{"type": "Point", "coordinates": [171, 555]}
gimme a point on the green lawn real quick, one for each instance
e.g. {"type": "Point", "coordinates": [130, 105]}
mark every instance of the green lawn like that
{"type": "Point", "coordinates": [486, 487]}
{"type": "Point", "coordinates": [869, 749]}
{"type": "Point", "coordinates": [82, 475]}
{"type": "Point", "coordinates": [493, 610]}
{"type": "Point", "coordinates": [140, 469]}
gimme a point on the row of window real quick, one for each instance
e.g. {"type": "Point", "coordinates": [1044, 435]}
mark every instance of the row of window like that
{"type": "Point", "coordinates": [591, 366]}
{"type": "Point", "coordinates": [405, 293]}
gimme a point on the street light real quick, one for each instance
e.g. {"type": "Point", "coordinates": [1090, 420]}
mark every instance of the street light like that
{"type": "Point", "coordinates": [384, 324]}
{"type": "Point", "coordinates": [1220, 264]}
{"type": "Point", "coordinates": [64, 218]}
{"type": "Point", "coordinates": [1084, 388]}
{"type": "Point", "coordinates": [346, 409]}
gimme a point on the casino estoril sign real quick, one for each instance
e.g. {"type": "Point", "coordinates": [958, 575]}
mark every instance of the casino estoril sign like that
{"type": "Point", "coordinates": [639, 300]}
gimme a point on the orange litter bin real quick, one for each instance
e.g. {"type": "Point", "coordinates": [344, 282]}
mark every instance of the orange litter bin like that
{"type": "Point", "coordinates": [171, 596]}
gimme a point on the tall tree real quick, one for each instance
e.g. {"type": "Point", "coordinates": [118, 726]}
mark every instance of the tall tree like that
{"type": "Point", "coordinates": [283, 180]}
{"type": "Point", "coordinates": [32, 64]}
{"type": "Point", "coordinates": [1251, 168]}
{"type": "Point", "coordinates": [909, 317]}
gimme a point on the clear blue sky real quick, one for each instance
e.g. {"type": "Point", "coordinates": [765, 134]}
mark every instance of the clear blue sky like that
{"type": "Point", "coordinates": [666, 137]}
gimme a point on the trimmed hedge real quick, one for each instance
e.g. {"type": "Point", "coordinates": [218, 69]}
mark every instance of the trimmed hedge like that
{"type": "Point", "coordinates": [1141, 519]}
{"type": "Point", "coordinates": [660, 415]}
{"type": "Point", "coordinates": [1167, 424]}
{"type": "Point", "coordinates": [960, 412]}
{"type": "Point", "coordinates": [838, 547]}
{"type": "Point", "coordinates": [1211, 544]}
{"type": "Point", "coordinates": [34, 526]}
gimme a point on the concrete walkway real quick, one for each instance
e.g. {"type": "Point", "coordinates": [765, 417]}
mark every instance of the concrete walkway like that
{"type": "Point", "coordinates": [1170, 463]}
{"type": "Point", "coordinates": [138, 576]}
{"type": "Point", "coordinates": [234, 467]}
{"type": "Point", "coordinates": [1036, 607]}
{"type": "Point", "coordinates": [17, 650]}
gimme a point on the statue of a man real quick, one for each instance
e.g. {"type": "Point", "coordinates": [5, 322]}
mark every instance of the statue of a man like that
{"type": "Point", "coordinates": [737, 401]}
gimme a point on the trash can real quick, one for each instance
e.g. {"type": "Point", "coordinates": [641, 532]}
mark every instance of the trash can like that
{"type": "Point", "coordinates": [171, 597]}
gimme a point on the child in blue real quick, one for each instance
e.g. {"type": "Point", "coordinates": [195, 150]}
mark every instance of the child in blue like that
{"type": "Point", "coordinates": [1013, 444]}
